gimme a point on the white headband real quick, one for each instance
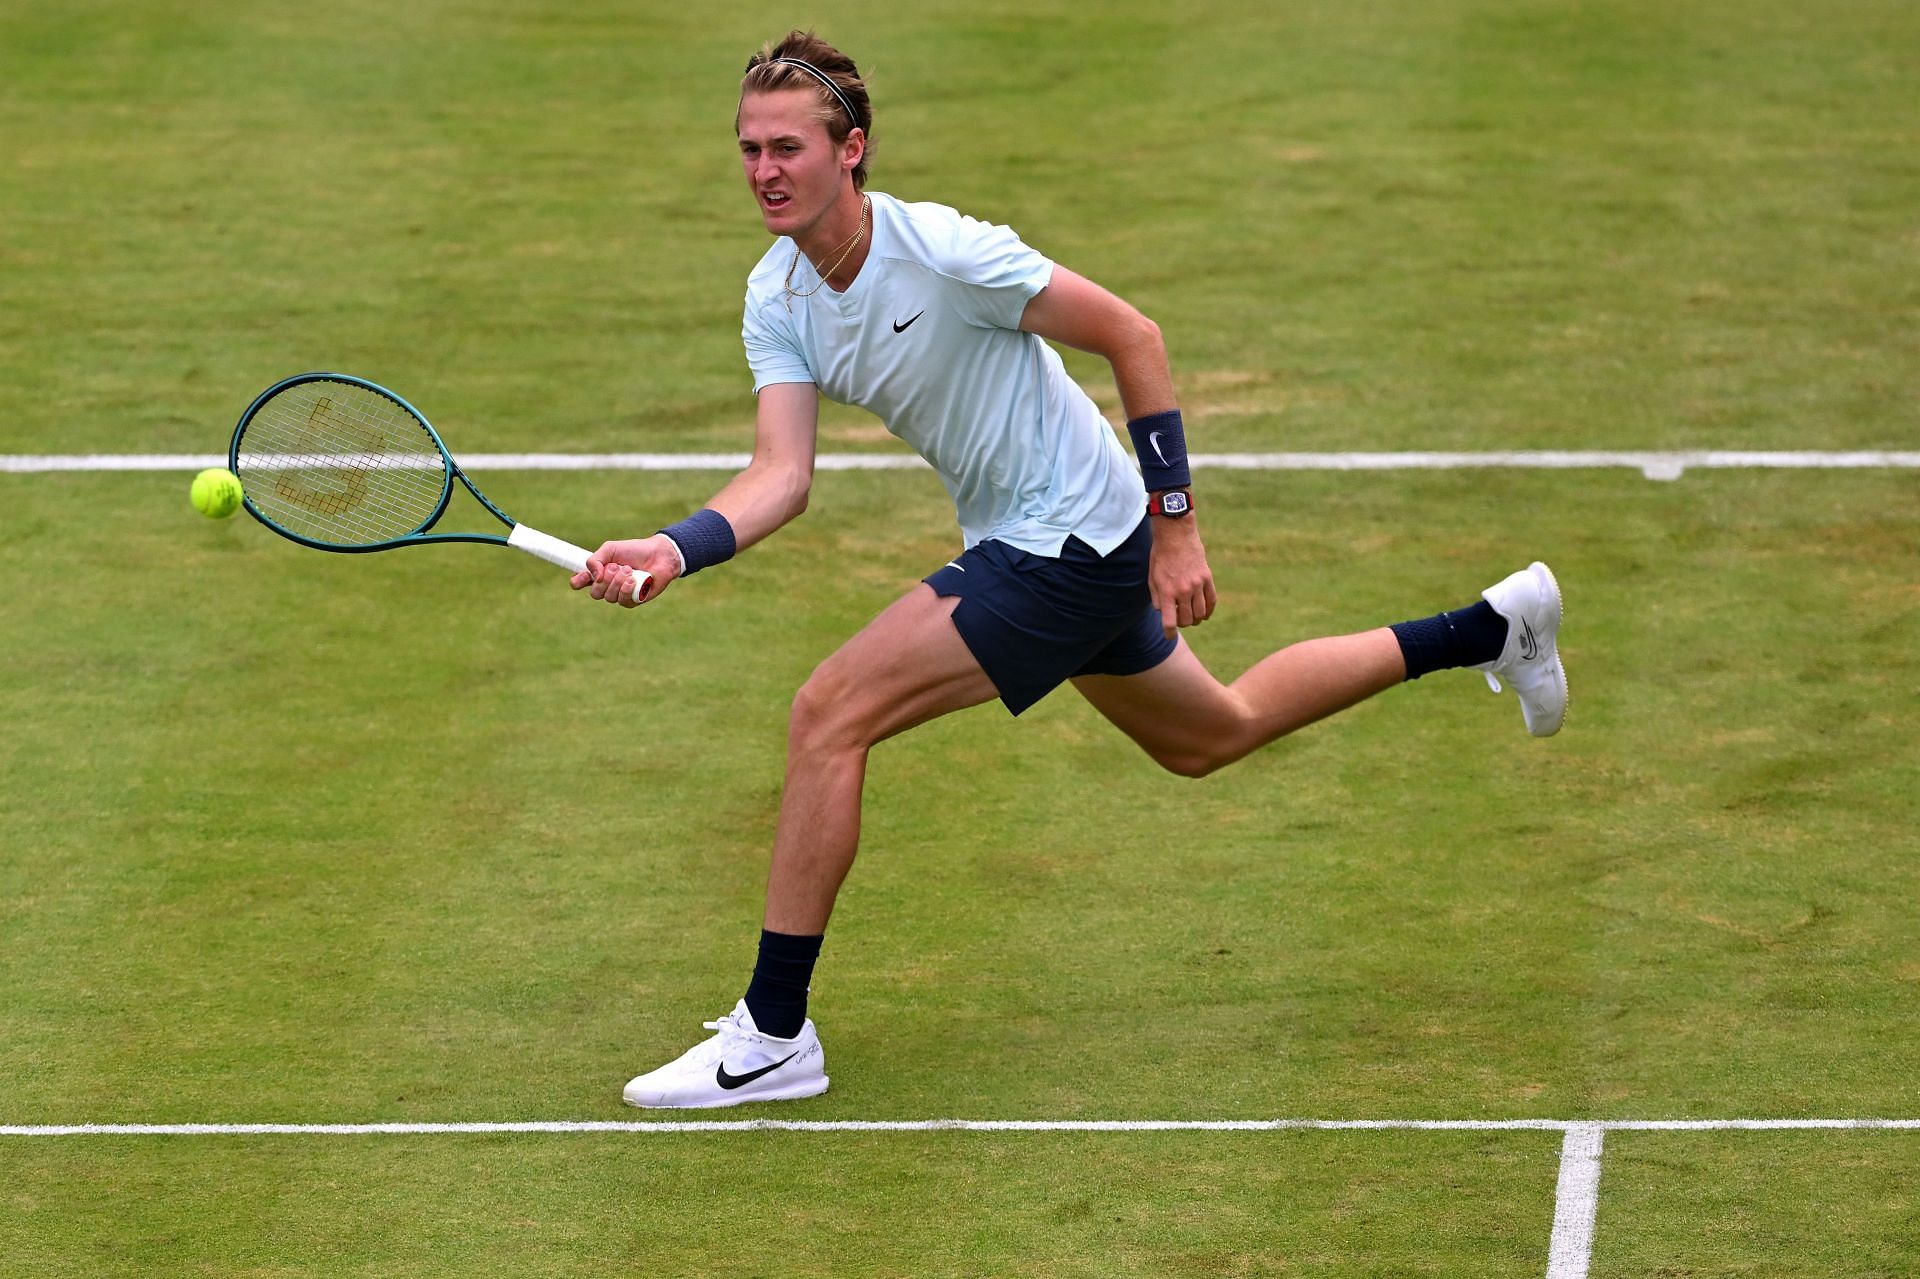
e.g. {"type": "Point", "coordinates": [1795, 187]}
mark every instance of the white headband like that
{"type": "Point", "coordinates": [822, 77]}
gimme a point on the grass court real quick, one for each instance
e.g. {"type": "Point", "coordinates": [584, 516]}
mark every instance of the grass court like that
{"type": "Point", "coordinates": [422, 838]}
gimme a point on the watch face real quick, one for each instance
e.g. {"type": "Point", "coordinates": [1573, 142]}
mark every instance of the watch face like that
{"type": "Point", "coordinates": [1174, 503]}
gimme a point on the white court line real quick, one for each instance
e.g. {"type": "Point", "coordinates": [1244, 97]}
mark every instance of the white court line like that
{"type": "Point", "coordinates": [1655, 465]}
{"type": "Point", "coordinates": [1576, 1194]}
{"type": "Point", "coordinates": [1576, 1202]}
{"type": "Point", "coordinates": [942, 1125]}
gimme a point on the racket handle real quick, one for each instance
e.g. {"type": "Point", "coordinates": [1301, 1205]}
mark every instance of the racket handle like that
{"type": "Point", "coordinates": [559, 551]}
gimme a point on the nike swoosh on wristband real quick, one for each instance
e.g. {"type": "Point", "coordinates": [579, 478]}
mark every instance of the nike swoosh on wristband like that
{"type": "Point", "coordinates": [1153, 438]}
{"type": "Point", "coordinates": [730, 1082]}
{"type": "Point", "coordinates": [900, 327]}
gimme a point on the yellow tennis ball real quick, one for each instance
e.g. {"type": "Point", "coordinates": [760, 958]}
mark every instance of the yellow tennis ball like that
{"type": "Point", "coordinates": [216, 493]}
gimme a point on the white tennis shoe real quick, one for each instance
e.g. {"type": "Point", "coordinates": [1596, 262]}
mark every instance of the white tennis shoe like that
{"type": "Point", "coordinates": [738, 1065]}
{"type": "Point", "coordinates": [1530, 661]}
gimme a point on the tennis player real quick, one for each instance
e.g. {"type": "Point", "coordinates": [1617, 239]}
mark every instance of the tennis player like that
{"type": "Point", "coordinates": [1077, 566]}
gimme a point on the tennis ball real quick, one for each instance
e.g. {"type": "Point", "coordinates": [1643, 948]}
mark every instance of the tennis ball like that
{"type": "Point", "coordinates": [216, 493]}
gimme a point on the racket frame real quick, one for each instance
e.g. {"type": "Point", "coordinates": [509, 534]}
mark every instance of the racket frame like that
{"type": "Point", "coordinates": [521, 537]}
{"type": "Point", "coordinates": [449, 473]}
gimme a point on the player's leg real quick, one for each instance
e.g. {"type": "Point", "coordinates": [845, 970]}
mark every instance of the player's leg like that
{"type": "Point", "coordinates": [905, 667]}
{"type": "Point", "coordinates": [909, 665]}
{"type": "Point", "coordinates": [1191, 723]}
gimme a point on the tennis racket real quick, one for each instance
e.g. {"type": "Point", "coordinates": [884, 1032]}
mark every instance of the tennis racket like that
{"type": "Point", "coordinates": [342, 464]}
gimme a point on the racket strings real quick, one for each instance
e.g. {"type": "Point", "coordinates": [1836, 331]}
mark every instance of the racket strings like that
{"type": "Point", "coordinates": [333, 474]}
{"type": "Point", "coordinates": [337, 463]}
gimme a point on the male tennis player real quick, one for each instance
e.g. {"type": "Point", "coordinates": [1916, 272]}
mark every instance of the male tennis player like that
{"type": "Point", "coordinates": [1077, 566]}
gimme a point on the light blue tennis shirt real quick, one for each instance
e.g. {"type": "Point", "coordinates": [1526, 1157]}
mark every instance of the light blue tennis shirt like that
{"type": "Point", "coordinates": [927, 338]}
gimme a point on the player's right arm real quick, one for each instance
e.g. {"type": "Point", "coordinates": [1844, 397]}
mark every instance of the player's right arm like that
{"type": "Point", "coordinates": [770, 493]}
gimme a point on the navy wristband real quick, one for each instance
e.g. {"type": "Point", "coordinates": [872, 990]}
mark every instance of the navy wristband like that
{"type": "Point", "coordinates": [704, 538]}
{"type": "Point", "coordinates": [1160, 442]}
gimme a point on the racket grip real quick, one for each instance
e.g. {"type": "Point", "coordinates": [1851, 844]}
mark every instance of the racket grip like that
{"type": "Point", "coordinates": [555, 550]}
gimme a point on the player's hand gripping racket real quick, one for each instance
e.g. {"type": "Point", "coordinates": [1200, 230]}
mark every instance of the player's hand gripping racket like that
{"type": "Point", "coordinates": [338, 463]}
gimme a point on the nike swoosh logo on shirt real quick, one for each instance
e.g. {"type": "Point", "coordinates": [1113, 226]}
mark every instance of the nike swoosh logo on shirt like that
{"type": "Point", "coordinates": [730, 1082]}
{"type": "Point", "coordinates": [901, 327]}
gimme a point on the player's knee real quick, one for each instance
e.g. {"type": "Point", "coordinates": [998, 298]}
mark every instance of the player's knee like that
{"type": "Point", "coordinates": [824, 712]}
{"type": "Point", "coordinates": [1188, 763]}
{"type": "Point", "coordinates": [1198, 759]}
{"type": "Point", "coordinates": [812, 709]}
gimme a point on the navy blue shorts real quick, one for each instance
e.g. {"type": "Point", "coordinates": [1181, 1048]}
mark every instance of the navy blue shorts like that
{"type": "Point", "coordinates": [1033, 623]}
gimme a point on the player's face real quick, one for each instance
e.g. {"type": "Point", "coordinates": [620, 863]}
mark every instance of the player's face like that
{"type": "Point", "coordinates": [793, 166]}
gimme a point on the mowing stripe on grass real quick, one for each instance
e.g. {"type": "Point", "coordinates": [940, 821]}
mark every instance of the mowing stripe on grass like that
{"type": "Point", "coordinates": [1654, 465]}
{"type": "Point", "coordinates": [1588, 1128]}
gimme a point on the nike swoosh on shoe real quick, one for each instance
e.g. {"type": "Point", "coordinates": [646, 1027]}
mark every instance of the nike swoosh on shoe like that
{"type": "Point", "coordinates": [730, 1082]}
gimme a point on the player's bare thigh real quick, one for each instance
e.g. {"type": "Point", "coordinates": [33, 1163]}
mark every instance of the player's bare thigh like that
{"type": "Point", "coordinates": [905, 667]}
{"type": "Point", "coordinates": [1192, 724]}
{"type": "Point", "coordinates": [1177, 711]}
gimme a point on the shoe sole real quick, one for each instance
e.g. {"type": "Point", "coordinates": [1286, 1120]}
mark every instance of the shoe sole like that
{"type": "Point", "coordinates": [1559, 666]}
{"type": "Point", "coordinates": [786, 1092]}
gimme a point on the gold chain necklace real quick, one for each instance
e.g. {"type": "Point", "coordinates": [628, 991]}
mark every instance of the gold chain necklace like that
{"type": "Point", "coordinates": [846, 251]}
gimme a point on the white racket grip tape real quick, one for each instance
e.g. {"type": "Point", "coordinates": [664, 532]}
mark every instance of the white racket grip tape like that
{"type": "Point", "coordinates": [555, 550]}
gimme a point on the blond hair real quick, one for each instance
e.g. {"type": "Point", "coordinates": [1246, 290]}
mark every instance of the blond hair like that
{"type": "Point", "coordinates": [802, 60]}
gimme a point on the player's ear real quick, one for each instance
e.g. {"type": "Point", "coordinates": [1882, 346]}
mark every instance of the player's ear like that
{"type": "Point", "coordinates": [854, 149]}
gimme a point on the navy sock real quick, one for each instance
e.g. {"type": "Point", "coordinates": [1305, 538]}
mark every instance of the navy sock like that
{"type": "Point", "coordinates": [1465, 637]}
{"type": "Point", "coordinates": [777, 995]}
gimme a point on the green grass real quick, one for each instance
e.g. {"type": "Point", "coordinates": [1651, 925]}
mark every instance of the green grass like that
{"type": "Point", "coordinates": [1383, 224]}
{"type": "Point", "coordinates": [334, 840]}
{"type": "Point", "coordinates": [421, 837]}
{"type": "Point", "coordinates": [1039, 1204]}
{"type": "Point", "coordinates": [1796, 1205]}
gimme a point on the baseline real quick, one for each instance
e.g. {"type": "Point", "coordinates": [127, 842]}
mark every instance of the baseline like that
{"type": "Point", "coordinates": [1568, 1126]}
{"type": "Point", "coordinates": [1654, 465]}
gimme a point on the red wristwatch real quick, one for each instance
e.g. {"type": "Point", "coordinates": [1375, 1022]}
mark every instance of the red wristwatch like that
{"type": "Point", "coordinates": [1172, 503]}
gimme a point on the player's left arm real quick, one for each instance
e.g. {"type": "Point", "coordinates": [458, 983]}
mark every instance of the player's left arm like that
{"type": "Point", "coordinates": [1074, 311]}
